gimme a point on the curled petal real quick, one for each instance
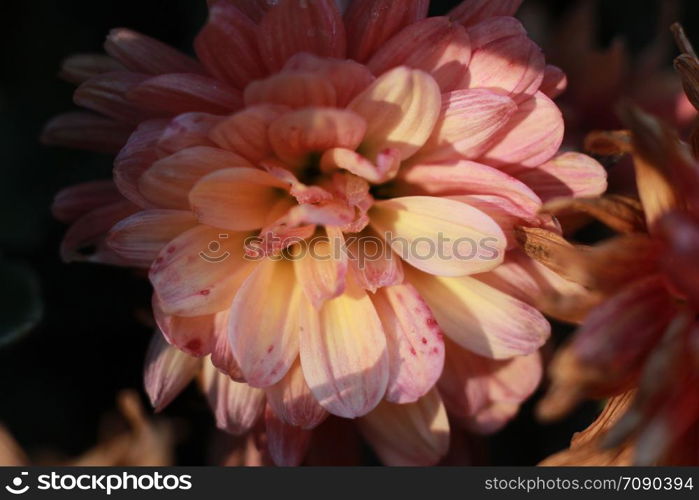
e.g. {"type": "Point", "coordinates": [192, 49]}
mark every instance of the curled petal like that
{"type": "Point", "coordinates": [143, 54]}
{"type": "Point", "coordinates": [235, 198]}
{"type": "Point", "coordinates": [140, 237]}
{"type": "Point", "coordinates": [295, 89]}
{"type": "Point", "coordinates": [385, 168]}
{"type": "Point", "coordinates": [287, 445]}
{"type": "Point", "coordinates": [194, 335]}
{"type": "Point", "coordinates": [347, 77]}
{"type": "Point", "coordinates": [168, 182]}
{"type": "Point", "coordinates": [297, 134]}
{"type": "Point", "coordinates": [374, 264]}
{"type": "Point", "coordinates": [555, 81]}
{"type": "Point", "coordinates": [236, 406]}
{"type": "Point", "coordinates": [188, 130]}
{"type": "Point", "coordinates": [222, 355]}
{"type": "Point", "coordinates": [81, 67]}
{"type": "Point", "coordinates": [227, 46]}
{"type": "Point", "coordinates": [682, 236]}
{"type": "Point", "coordinates": [176, 93]}
{"type": "Point", "coordinates": [469, 178]}
{"type": "Point", "coordinates": [467, 126]}
{"type": "Point", "coordinates": [245, 132]}
{"type": "Point", "coordinates": [106, 93]}
{"type": "Point", "coordinates": [623, 214]}
{"type": "Point", "coordinates": [136, 157]}
{"type": "Point", "coordinates": [415, 344]}
{"type": "Point", "coordinates": [413, 434]}
{"type": "Point", "coordinates": [439, 236]}
{"type": "Point", "coordinates": [481, 318]}
{"type": "Point", "coordinates": [514, 65]}
{"type": "Point", "coordinates": [401, 108]}
{"type": "Point", "coordinates": [292, 26]}
{"type": "Point", "coordinates": [434, 45]}
{"type": "Point", "coordinates": [167, 372]}
{"type": "Point", "coordinates": [292, 400]}
{"type": "Point", "coordinates": [487, 392]}
{"type": "Point", "coordinates": [86, 131]}
{"type": "Point", "coordinates": [532, 137]}
{"type": "Point", "coordinates": [470, 12]}
{"type": "Point", "coordinates": [370, 23]}
{"type": "Point", "coordinates": [494, 28]}
{"type": "Point", "coordinates": [199, 271]}
{"type": "Point", "coordinates": [74, 201]}
{"type": "Point", "coordinates": [85, 239]}
{"type": "Point", "coordinates": [343, 353]}
{"type": "Point", "coordinates": [568, 174]}
{"type": "Point", "coordinates": [263, 326]}
{"type": "Point", "coordinates": [321, 269]}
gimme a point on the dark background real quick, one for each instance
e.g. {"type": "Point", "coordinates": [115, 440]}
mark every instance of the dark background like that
{"type": "Point", "coordinates": [58, 380]}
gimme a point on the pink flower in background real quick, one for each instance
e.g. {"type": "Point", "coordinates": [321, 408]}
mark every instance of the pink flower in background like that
{"type": "Point", "coordinates": [299, 124]}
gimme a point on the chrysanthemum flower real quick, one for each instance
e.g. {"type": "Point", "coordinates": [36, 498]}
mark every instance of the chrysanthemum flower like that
{"type": "Point", "coordinates": [318, 199]}
{"type": "Point", "coordinates": [643, 335]}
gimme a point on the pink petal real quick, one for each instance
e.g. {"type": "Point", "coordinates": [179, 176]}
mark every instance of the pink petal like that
{"type": "Point", "coordinates": [343, 353]}
{"type": "Point", "coordinates": [84, 240]}
{"type": "Point", "coordinates": [494, 28]}
{"type": "Point", "coordinates": [532, 137]}
{"type": "Point", "coordinates": [470, 12]}
{"type": "Point", "coordinates": [413, 434]}
{"type": "Point", "coordinates": [370, 23]}
{"type": "Point", "coordinates": [322, 267]}
{"type": "Point", "coordinates": [295, 89]}
{"type": "Point", "coordinates": [290, 27]}
{"type": "Point", "coordinates": [199, 272]}
{"type": "Point", "coordinates": [568, 174]}
{"type": "Point", "coordinates": [177, 93]}
{"type": "Point", "coordinates": [469, 178]}
{"type": "Point", "coordinates": [467, 125]}
{"type": "Point", "coordinates": [136, 157]}
{"type": "Point", "coordinates": [481, 318]}
{"type": "Point", "coordinates": [434, 45]}
{"type": "Point", "coordinates": [347, 77]}
{"type": "Point", "coordinates": [385, 168]}
{"type": "Point", "coordinates": [140, 237]}
{"type": "Point", "coordinates": [263, 326]}
{"type": "Point", "coordinates": [373, 263]}
{"type": "Point", "coordinates": [485, 392]}
{"type": "Point", "coordinates": [235, 198]}
{"type": "Point", "coordinates": [188, 130]}
{"type": "Point", "coordinates": [74, 201]}
{"type": "Point", "coordinates": [222, 355]}
{"type": "Point", "coordinates": [555, 81]}
{"type": "Point", "coordinates": [292, 400]}
{"type": "Point", "coordinates": [86, 131]}
{"type": "Point", "coordinates": [245, 132]}
{"type": "Point", "coordinates": [194, 335]}
{"type": "Point", "coordinates": [143, 54]}
{"type": "Point", "coordinates": [415, 345]}
{"type": "Point", "coordinates": [236, 406]}
{"type": "Point", "coordinates": [296, 135]}
{"type": "Point", "coordinates": [401, 108]}
{"type": "Point", "coordinates": [106, 93]}
{"type": "Point", "coordinates": [439, 236]}
{"type": "Point", "coordinates": [81, 67]}
{"type": "Point", "coordinates": [167, 372]}
{"type": "Point", "coordinates": [227, 46]}
{"type": "Point", "coordinates": [168, 182]}
{"type": "Point", "coordinates": [287, 445]}
{"type": "Point", "coordinates": [514, 65]}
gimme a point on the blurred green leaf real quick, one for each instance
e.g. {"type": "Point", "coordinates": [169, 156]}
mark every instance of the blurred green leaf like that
{"type": "Point", "coordinates": [21, 307]}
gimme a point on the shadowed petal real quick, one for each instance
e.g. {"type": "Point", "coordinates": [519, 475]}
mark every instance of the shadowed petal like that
{"type": "Point", "coordinates": [292, 400]}
{"type": "Point", "coordinates": [287, 445]}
